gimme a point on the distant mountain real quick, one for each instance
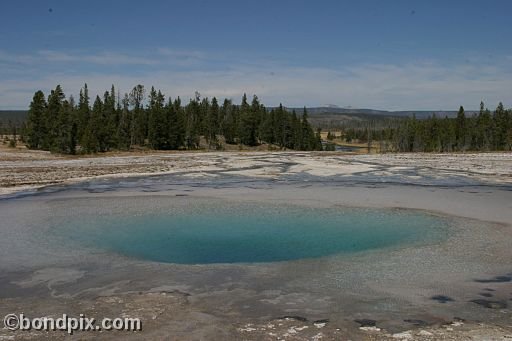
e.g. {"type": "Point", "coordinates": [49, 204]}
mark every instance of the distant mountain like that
{"type": "Point", "coordinates": [13, 115]}
{"type": "Point", "coordinates": [366, 113]}
{"type": "Point", "coordinates": [328, 117]}
{"type": "Point", "coordinates": [329, 111]}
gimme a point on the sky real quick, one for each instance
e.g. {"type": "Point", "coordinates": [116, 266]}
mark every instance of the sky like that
{"type": "Point", "coordinates": [390, 55]}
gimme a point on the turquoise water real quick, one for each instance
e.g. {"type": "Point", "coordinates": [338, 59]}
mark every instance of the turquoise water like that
{"type": "Point", "coordinates": [204, 233]}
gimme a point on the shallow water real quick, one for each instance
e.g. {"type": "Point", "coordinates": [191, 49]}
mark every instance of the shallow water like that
{"type": "Point", "coordinates": [202, 231]}
{"type": "Point", "coordinates": [379, 176]}
{"type": "Point", "coordinates": [105, 236]}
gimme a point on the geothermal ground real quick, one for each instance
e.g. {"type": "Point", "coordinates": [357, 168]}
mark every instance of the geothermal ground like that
{"type": "Point", "coordinates": [458, 290]}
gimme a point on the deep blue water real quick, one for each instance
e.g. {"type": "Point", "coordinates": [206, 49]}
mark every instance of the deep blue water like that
{"type": "Point", "coordinates": [204, 232]}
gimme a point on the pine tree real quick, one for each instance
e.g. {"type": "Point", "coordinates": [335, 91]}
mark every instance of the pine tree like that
{"type": "Point", "coordinates": [139, 127]}
{"type": "Point", "coordinates": [36, 125]}
{"type": "Point", "coordinates": [279, 125]}
{"type": "Point", "coordinates": [296, 131]}
{"type": "Point", "coordinates": [204, 108]}
{"type": "Point", "coordinates": [212, 123]}
{"type": "Point", "coordinates": [256, 113]}
{"type": "Point", "coordinates": [112, 117]}
{"type": "Point", "coordinates": [65, 141]}
{"type": "Point", "coordinates": [267, 128]}
{"type": "Point", "coordinates": [248, 123]}
{"type": "Point", "coordinates": [158, 129]}
{"type": "Point", "coordinates": [123, 128]}
{"type": "Point", "coordinates": [308, 138]}
{"type": "Point", "coordinates": [84, 112]}
{"type": "Point", "coordinates": [52, 118]}
{"type": "Point", "coordinates": [109, 121]}
{"type": "Point", "coordinates": [193, 115]}
{"type": "Point", "coordinates": [152, 123]}
{"type": "Point", "coordinates": [230, 122]}
{"type": "Point", "coordinates": [94, 133]}
{"type": "Point", "coordinates": [500, 127]}
{"type": "Point", "coordinates": [172, 119]}
{"type": "Point", "coordinates": [484, 128]}
{"type": "Point", "coordinates": [177, 124]}
{"type": "Point", "coordinates": [460, 129]}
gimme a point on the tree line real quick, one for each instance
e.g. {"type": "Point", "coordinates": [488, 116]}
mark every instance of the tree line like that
{"type": "Point", "coordinates": [482, 131]}
{"type": "Point", "coordinates": [59, 124]}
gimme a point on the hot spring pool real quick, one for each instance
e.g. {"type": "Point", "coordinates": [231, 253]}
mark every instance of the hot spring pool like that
{"type": "Point", "coordinates": [204, 232]}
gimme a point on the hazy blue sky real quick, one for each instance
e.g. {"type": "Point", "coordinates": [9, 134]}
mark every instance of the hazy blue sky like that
{"type": "Point", "coordinates": [374, 54]}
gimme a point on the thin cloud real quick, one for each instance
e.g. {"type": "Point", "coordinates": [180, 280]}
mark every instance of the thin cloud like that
{"type": "Point", "coordinates": [161, 56]}
{"type": "Point", "coordinates": [104, 58]}
{"type": "Point", "coordinates": [425, 85]}
{"type": "Point", "coordinates": [7, 57]}
{"type": "Point", "coordinates": [181, 54]}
